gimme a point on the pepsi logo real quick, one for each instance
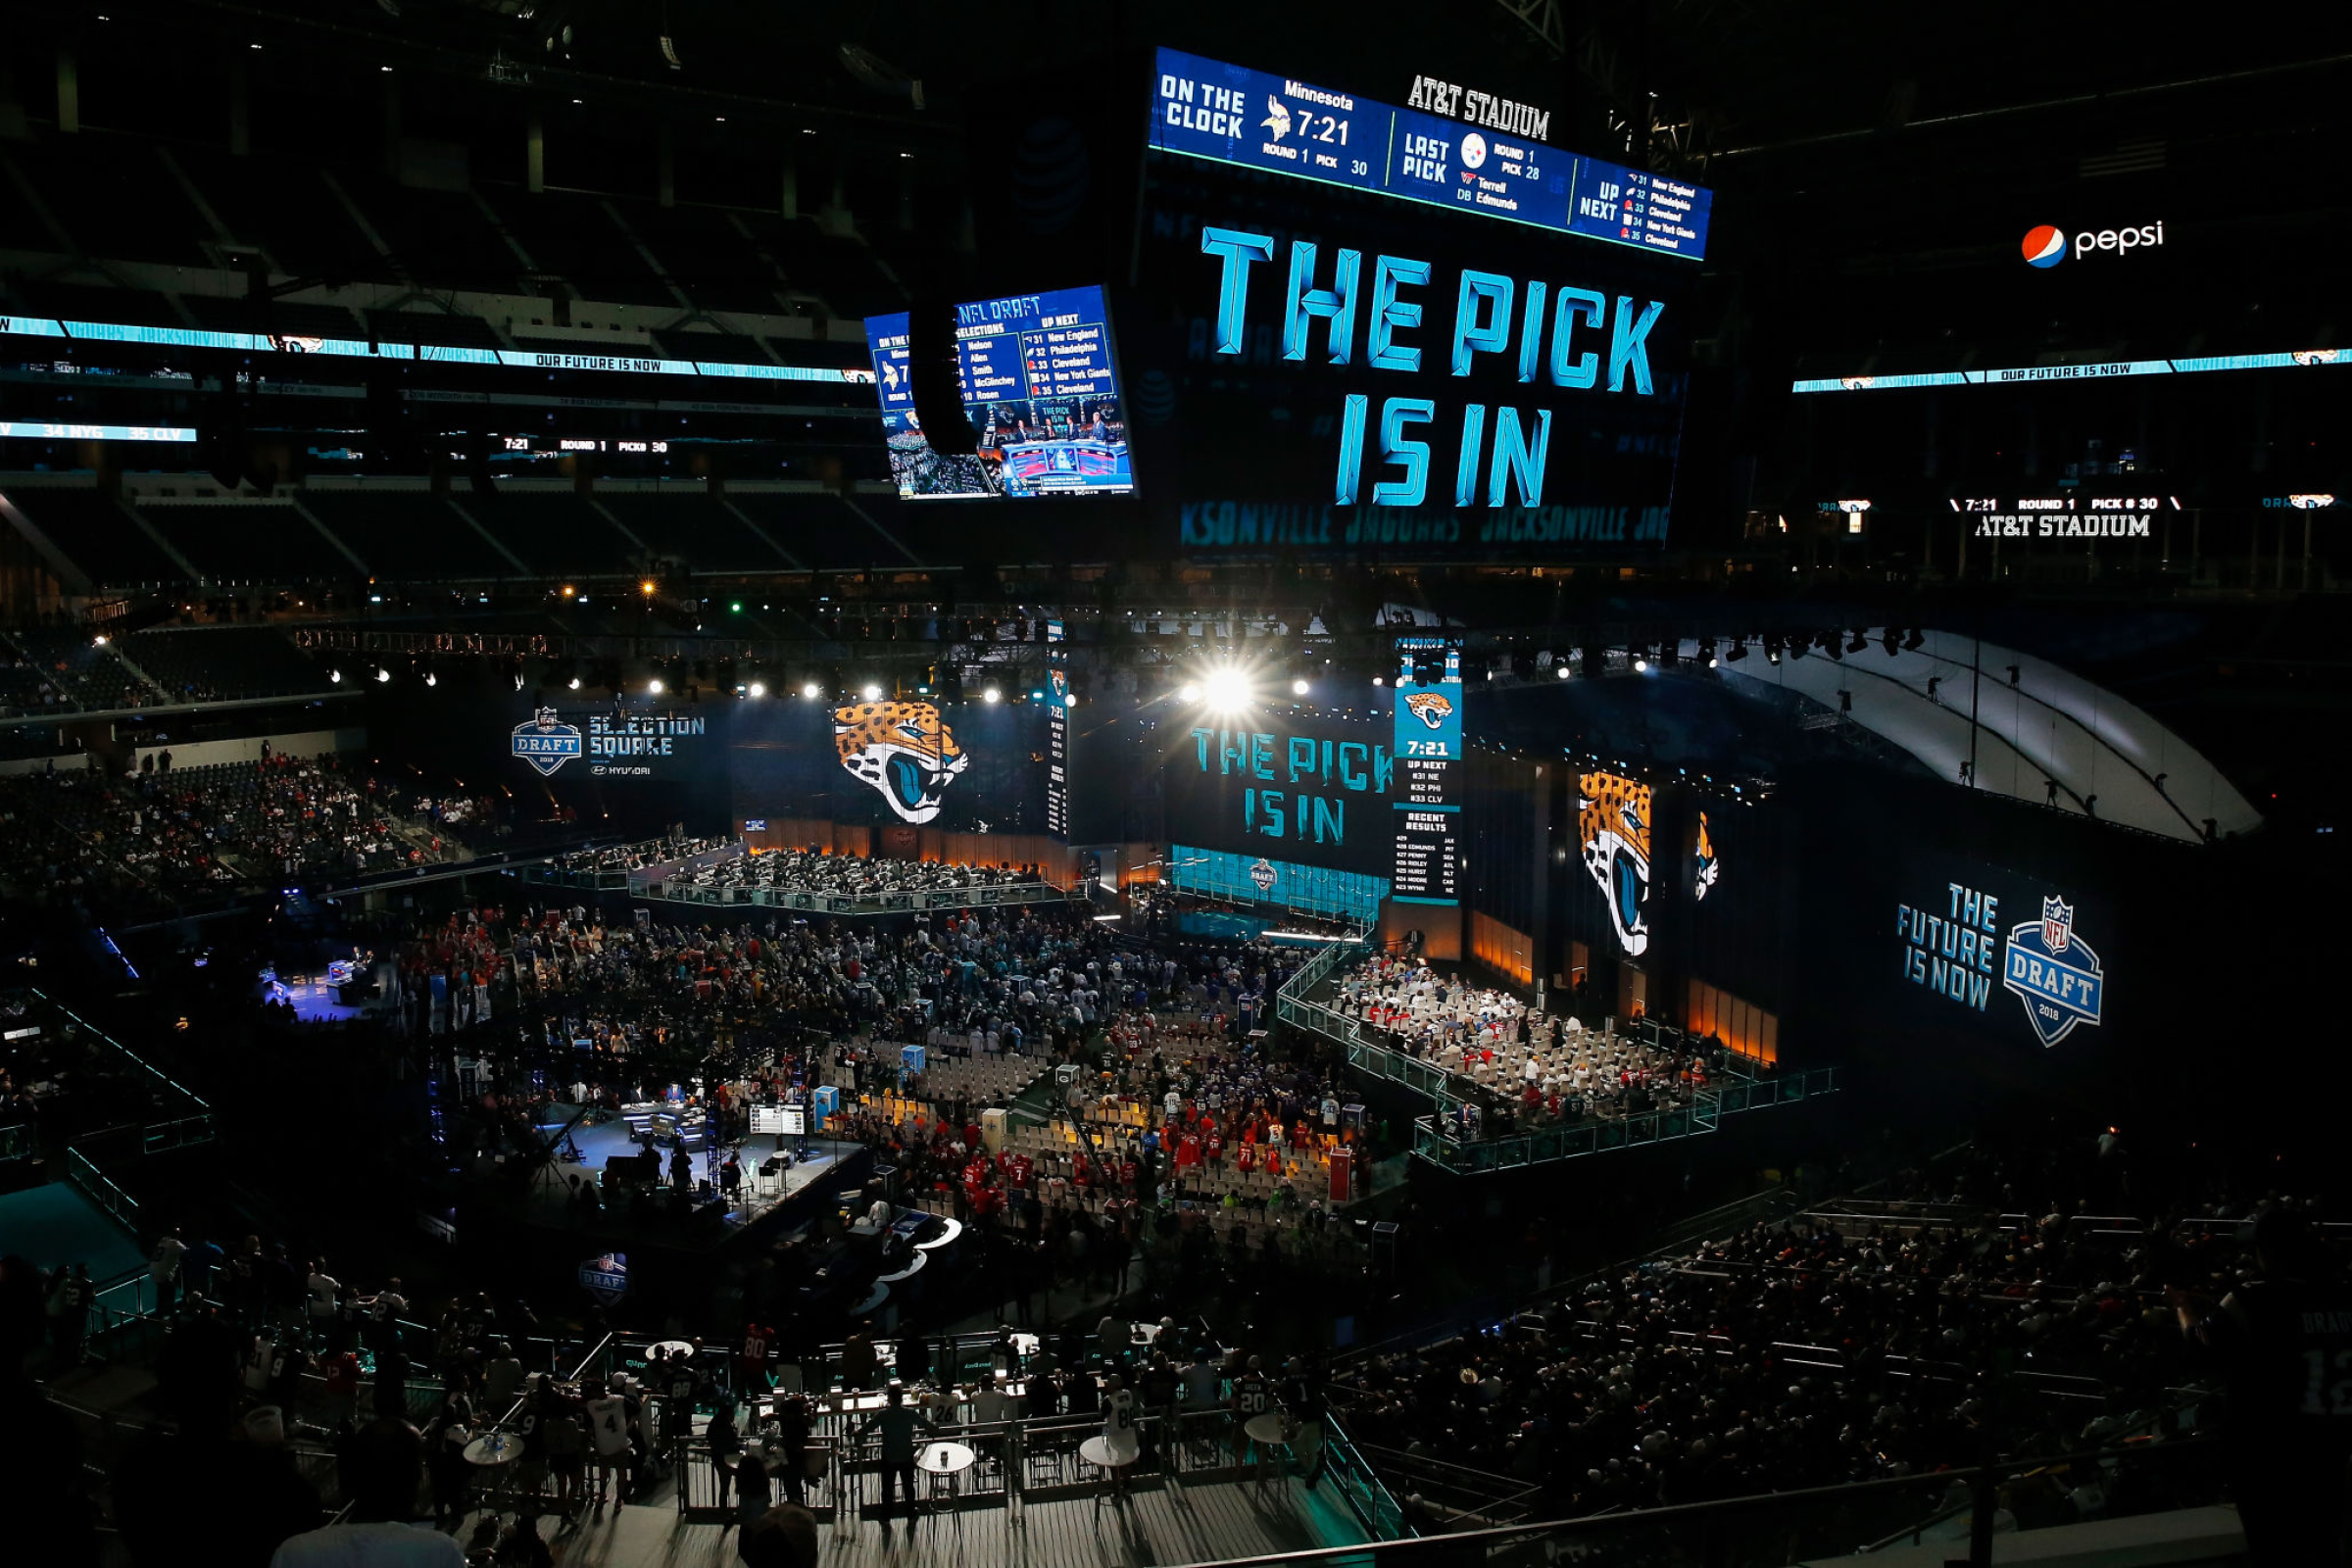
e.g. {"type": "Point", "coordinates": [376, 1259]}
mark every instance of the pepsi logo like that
{"type": "Point", "coordinates": [2044, 246]}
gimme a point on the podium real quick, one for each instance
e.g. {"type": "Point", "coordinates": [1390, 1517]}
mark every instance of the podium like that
{"type": "Point", "coordinates": [991, 1129]}
{"type": "Point", "coordinates": [1342, 1174]}
{"type": "Point", "coordinates": [824, 1100]}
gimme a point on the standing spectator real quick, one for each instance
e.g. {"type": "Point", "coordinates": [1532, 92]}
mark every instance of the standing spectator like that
{"type": "Point", "coordinates": [751, 1487]}
{"type": "Point", "coordinates": [858, 1358]}
{"type": "Point", "coordinates": [609, 1435]}
{"type": "Point", "coordinates": [70, 1300]}
{"type": "Point", "coordinates": [725, 1445]}
{"type": "Point", "coordinates": [897, 1422]}
{"type": "Point", "coordinates": [164, 1267]}
{"type": "Point", "coordinates": [451, 1471]}
{"type": "Point", "coordinates": [383, 1464]}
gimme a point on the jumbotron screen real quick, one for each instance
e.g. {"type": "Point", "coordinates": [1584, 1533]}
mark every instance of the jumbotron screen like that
{"type": "Point", "coordinates": [1041, 386]}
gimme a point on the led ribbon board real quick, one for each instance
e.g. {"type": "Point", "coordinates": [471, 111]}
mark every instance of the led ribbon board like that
{"type": "Point", "coordinates": [2291, 360]}
{"type": "Point", "coordinates": [1282, 125]}
{"type": "Point", "coordinates": [178, 337]}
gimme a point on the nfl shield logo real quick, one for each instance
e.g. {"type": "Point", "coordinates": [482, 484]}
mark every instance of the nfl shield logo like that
{"type": "Point", "coordinates": [2057, 923]}
{"type": "Point", "coordinates": [546, 742]}
{"type": "Point", "coordinates": [1262, 873]}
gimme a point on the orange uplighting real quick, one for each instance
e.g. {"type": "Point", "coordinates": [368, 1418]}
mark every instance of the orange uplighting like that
{"type": "Point", "coordinates": [569, 590]}
{"type": "Point", "coordinates": [645, 587]}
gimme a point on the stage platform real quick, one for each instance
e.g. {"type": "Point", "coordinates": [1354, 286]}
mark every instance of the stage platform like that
{"type": "Point", "coordinates": [599, 1142]}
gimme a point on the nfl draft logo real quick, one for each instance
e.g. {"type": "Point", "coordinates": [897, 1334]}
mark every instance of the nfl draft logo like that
{"type": "Point", "coordinates": [607, 1278]}
{"type": "Point", "coordinates": [1262, 874]}
{"type": "Point", "coordinates": [546, 742]}
{"type": "Point", "coordinates": [2054, 972]}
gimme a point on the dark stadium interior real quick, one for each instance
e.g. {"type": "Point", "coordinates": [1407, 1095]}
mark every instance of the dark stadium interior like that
{"type": "Point", "coordinates": [1330, 785]}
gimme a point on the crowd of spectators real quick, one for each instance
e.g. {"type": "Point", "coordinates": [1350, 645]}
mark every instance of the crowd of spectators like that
{"type": "Point", "coordinates": [853, 876]}
{"type": "Point", "coordinates": [165, 836]}
{"type": "Point", "coordinates": [1511, 1067]}
{"type": "Point", "coordinates": [1817, 1351]}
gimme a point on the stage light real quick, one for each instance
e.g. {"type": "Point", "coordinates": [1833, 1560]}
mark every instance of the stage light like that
{"type": "Point", "coordinates": [1913, 641]}
{"type": "Point", "coordinates": [1710, 660]}
{"type": "Point", "coordinates": [1887, 640]}
{"type": "Point", "coordinates": [1229, 690]}
{"type": "Point", "coordinates": [1378, 681]}
{"type": "Point", "coordinates": [1560, 670]}
{"type": "Point", "coordinates": [1860, 642]}
{"type": "Point", "coordinates": [646, 588]}
{"type": "Point", "coordinates": [335, 676]}
{"type": "Point", "coordinates": [809, 689]}
{"type": "Point", "coordinates": [431, 680]}
{"type": "Point", "coordinates": [1189, 692]}
{"type": "Point", "coordinates": [653, 688]}
{"type": "Point", "coordinates": [573, 683]}
{"type": "Point", "coordinates": [569, 590]}
{"type": "Point", "coordinates": [1739, 649]}
{"type": "Point", "coordinates": [872, 693]}
{"type": "Point", "coordinates": [992, 696]}
{"type": "Point", "coordinates": [1300, 688]}
{"type": "Point", "coordinates": [757, 688]}
{"type": "Point", "coordinates": [1641, 666]}
{"type": "Point", "coordinates": [382, 675]}
{"type": "Point", "coordinates": [98, 641]}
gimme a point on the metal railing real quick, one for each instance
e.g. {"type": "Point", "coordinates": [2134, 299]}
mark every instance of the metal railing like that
{"type": "Point", "coordinates": [1772, 1529]}
{"type": "Point", "coordinates": [1439, 1138]}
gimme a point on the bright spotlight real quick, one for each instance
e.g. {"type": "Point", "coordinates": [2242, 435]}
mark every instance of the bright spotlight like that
{"type": "Point", "coordinates": [653, 687]}
{"type": "Point", "coordinates": [431, 680]}
{"type": "Point", "coordinates": [1640, 667]}
{"type": "Point", "coordinates": [382, 675]}
{"type": "Point", "coordinates": [335, 676]}
{"type": "Point", "coordinates": [1190, 692]}
{"type": "Point", "coordinates": [757, 688]}
{"type": "Point", "coordinates": [1380, 680]}
{"type": "Point", "coordinates": [809, 689]}
{"type": "Point", "coordinates": [991, 695]}
{"type": "Point", "coordinates": [1560, 670]}
{"type": "Point", "coordinates": [573, 683]}
{"type": "Point", "coordinates": [872, 692]}
{"type": "Point", "coordinates": [1228, 690]}
{"type": "Point", "coordinates": [1299, 688]}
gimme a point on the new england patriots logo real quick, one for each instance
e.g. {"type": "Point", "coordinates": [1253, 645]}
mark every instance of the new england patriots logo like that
{"type": "Point", "coordinates": [2055, 973]}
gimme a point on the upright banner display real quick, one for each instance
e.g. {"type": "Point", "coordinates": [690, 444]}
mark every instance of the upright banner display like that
{"type": "Point", "coordinates": [1428, 730]}
{"type": "Point", "coordinates": [1987, 944]}
{"type": "Point", "coordinates": [1311, 787]}
{"type": "Point", "coordinates": [1058, 746]}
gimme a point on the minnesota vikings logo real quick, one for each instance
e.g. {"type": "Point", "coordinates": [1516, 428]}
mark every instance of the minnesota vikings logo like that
{"type": "Point", "coordinates": [904, 751]}
{"type": "Point", "coordinates": [545, 741]}
{"type": "Point", "coordinates": [1433, 709]}
{"type": "Point", "coordinates": [1277, 118]}
{"type": "Point", "coordinates": [2054, 972]}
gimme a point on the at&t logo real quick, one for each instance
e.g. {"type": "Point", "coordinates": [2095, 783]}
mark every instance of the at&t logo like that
{"type": "Point", "coordinates": [2047, 245]}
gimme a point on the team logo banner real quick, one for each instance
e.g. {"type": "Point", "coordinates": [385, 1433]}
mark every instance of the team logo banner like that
{"type": "Point", "coordinates": [607, 1278]}
{"type": "Point", "coordinates": [2053, 972]}
{"type": "Point", "coordinates": [1612, 832]}
{"type": "Point", "coordinates": [904, 751]}
{"type": "Point", "coordinates": [545, 741]}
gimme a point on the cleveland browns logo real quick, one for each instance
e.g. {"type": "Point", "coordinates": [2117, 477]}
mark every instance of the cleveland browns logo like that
{"type": "Point", "coordinates": [1433, 709]}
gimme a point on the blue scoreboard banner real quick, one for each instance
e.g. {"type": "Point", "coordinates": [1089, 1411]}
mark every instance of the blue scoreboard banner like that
{"type": "Point", "coordinates": [1429, 747]}
{"type": "Point", "coordinates": [1233, 115]}
{"type": "Point", "coordinates": [1041, 387]}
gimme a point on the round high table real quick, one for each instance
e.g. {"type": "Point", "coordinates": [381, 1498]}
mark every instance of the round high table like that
{"type": "Point", "coordinates": [665, 1350]}
{"type": "Point", "coordinates": [1265, 1434]}
{"type": "Point", "coordinates": [945, 1463]}
{"type": "Point", "coordinates": [493, 1452]}
{"type": "Point", "coordinates": [1097, 1451]}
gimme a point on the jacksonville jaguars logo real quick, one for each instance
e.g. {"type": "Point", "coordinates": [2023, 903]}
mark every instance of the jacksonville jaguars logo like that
{"type": "Point", "coordinates": [904, 751]}
{"type": "Point", "coordinates": [1433, 709]}
{"type": "Point", "coordinates": [1708, 869]}
{"type": "Point", "coordinates": [1612, 828]}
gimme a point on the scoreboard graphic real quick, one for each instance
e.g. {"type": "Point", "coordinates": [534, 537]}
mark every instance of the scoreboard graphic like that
{"type": "Point", "coordinates": [1042, 389]}
{"type": "Point", "coordinates": [1256, 119]}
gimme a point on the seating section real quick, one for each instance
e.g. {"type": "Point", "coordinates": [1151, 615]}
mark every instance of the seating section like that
{"type": "Point", "coordinates": [407, 536]}
{"type": "Point", "coordinates": [222, 664]}
{"type": "Point", "coordinates": [248, 542]}
{"type": "Point", "coordinates": [73, 671]}
{"type": "Point", "coordinates": [701, 532]}
{"type": "Point", "coordinates": [98, 536]}
{"type": "Point", "coordinates": [817, 530]}
{"type": "Point", "coordinates": [555, 533]}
